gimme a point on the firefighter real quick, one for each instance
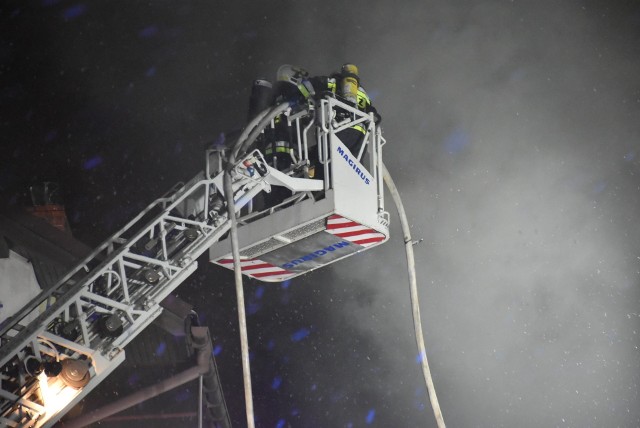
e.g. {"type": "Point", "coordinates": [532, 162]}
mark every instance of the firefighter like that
{"type": "Point", "coordinates": [345, 85]}
{"type": "Point", "coordinates": [294, 85]}
{"type": "Point", "coordinates": [348, 87]}
{"type": "Point", "coordinates": [277, 144]}
{"type": "Point", "coordinates": [291, 86]}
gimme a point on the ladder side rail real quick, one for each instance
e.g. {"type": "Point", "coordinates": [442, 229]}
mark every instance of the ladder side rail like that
{"type": "Point", "coordinates": [380, 174]}
{"type": "Point", "coordinates": [107, 245]}
{"type": "Point", "coordinates": [305, 133]}
{"type": "Point", "coordinates": [301, 132]}
{"type": "Point", "coordinates": [139, 307]}
{"type": "Point", "coordinates": [108, 354]}
{"type": "Point", "coordinates": [334, 102]}
{"type": "Point", "coordinates": [366, 142]}
{"type": "Point", "coordinates": [372, 139]}
{"type": "Point", "coordinates": [374, 156]}
{"type": "Point", "coordinates": [329, 126]}
{"type": "Point", "coordinates": [116, 258]}
{"type": "Point", "coordinates": [376, 163]}
{"type": "Point", "coordinates": [379, 142]}
{"type": "Point", "coordinates": [357, 117]}
{"type": "Point", "coordinates": [348, 123]}
{"type": "Point", "coordinates": [92, 275]}
{"type": "Point", "coordinates": [300, 152]}
{"type": "Point", "coordinates": [323, 140]}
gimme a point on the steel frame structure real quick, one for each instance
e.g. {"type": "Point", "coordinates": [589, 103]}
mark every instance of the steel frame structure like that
{"type": "Point", "coordinates": [102, 304]}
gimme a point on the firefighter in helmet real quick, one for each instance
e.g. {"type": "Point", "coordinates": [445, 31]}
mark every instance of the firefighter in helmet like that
{"type": "Point", "coordinates": [277, 143]}
{"type": "Point", "coordinates": [346, 85]}
{"type": "Point", "coordinates": [295, 86]}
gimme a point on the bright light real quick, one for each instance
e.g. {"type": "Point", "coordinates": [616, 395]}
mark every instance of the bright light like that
{"type": "Point", "coordinates": [55, 394]}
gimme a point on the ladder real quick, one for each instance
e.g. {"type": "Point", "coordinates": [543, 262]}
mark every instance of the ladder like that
{"type": "Point", "coordinates": [49, 364]}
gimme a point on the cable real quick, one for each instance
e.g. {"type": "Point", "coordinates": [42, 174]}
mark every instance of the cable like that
{"type": "Point", "coordinates": [242, 319]}
{"type": "Point", "coordinates": [250, 127]}
{"type": "Point", "coordinates": [242, 146]}
{"type": "Point", "coordinates": [247, 137]}
{"type": "Point", "coordinates": [51, 346]}
{"type": "Point", "coordinates": [415, 304]}
{"type": "Point", "coordinates": [26, 366]}
{"type": "Point", "coordinates": [244, 343]}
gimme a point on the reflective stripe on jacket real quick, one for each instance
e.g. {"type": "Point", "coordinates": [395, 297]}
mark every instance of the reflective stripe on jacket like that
{"type": "Point", "coordinates": [280, 147]}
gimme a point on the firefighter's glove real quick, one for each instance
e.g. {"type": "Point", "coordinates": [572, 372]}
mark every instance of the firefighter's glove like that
{"type": "Point", "coordinates": [376, 116]}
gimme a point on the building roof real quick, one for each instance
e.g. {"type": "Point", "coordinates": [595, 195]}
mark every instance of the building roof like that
{"type": "Point", "coordinates": [51, 251]}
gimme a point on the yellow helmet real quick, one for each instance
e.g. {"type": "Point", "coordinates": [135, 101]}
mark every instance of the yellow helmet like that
{"type": "Point", "coordinates": [349, 69]}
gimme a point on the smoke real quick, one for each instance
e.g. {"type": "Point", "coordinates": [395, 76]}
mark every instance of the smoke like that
{"type": "Point", "coordinates": [513, 135]}
{"type": "Point", "coordinates": [513, 132]}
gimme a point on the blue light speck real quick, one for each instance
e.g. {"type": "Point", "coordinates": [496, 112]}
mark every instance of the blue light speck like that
{"type": "Point", "coordinates": [277, 381]}
{"type": "Point", "coordinates": [148, 32]}
{"type": "Point", "coordinates": [151, 72]}
{"type": "Point", "coordinates": [162, 347]}
{"type": "Point", "coordinates": [92, 163]}
{"type": "Point", "coordinates": [259, 292]}
{"type": "Point", "coordinates": [371, 416]}
{"type": "Point", "coordinates": [253, 308]}
{"type": "Point", "coordinates": [285, 299]}
{"type": "Point", "coordinates": [133, 379]}
{"type": "Point", "coordinates": [183, 395]}
{"type": "Point", "coordinates": [300, 334]}
{"type": "Point", "coordinates": [281, 423]}
{"type": "Point", "coordinates": [217, 350]}
{"type": "Point", "coordinates": [219, 141]}
{"type": "Point", "coordinates": [457, 141]}
{"type": "Point", "coordinates": [74, 11]}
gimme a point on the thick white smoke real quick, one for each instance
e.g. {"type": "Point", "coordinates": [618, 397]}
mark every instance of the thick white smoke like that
{"type": "Point", "coordinates": [513, 135]}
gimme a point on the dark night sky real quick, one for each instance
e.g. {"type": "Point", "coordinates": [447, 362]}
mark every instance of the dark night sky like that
{"type": "Point", "coordinates": [514, 137]}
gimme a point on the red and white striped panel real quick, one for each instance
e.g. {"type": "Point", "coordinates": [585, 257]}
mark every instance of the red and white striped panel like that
{"type": "Point", "coordinates": [353, 232]}
{"type": "Point", "coordinates": [258, 269]}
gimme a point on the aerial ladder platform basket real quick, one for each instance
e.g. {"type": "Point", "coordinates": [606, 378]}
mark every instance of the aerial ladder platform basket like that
{"type": "Point", "coordinates": [72, 335]}
{"type": "Point", "coordinates": [345, 217]}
